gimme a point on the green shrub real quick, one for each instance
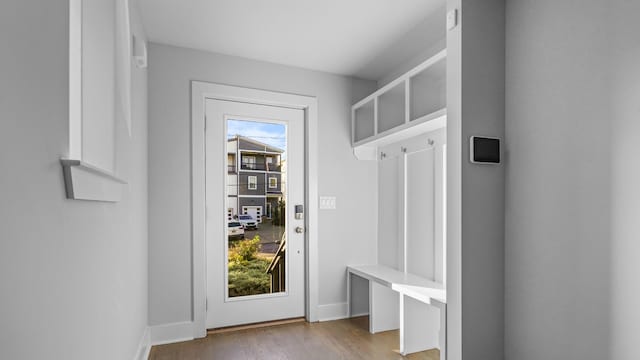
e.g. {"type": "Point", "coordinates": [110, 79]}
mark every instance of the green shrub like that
{"type": "Point", "coordinates": [248, 271]}
{"type": "Point", "coordinates": [249, 277]}
{"type": "Point", "coordinates": [244, 250]}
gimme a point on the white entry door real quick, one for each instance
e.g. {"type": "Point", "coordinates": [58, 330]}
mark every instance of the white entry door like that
{"type": "Point", "coordinates": [258, 276]}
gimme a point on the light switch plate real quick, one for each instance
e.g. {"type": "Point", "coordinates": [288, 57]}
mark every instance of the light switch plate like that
{"type": "Point", "coordinates": [452, 19]}
{"type": "Point", "coordinates": [139, 52]}
{"type": "Point", "coordinates": [327, 202]}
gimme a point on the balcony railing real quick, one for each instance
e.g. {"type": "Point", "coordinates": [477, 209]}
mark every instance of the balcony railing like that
{"type": "Point", "coordinates": [253, 166]}
{"type": "Point", "coordinates": [261, 167]}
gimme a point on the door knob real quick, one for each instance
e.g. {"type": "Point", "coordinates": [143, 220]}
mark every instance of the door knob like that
{"type": "Point", "coordinates": [299, 229]}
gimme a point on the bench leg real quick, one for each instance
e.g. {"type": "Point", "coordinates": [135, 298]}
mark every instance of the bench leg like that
{"type": "Point", "coordinates": [349, 294]}
{"type": "Point", "coordinates": [420, 326]}
{"type": "Point", "coordinates": [383, 308]}
{"type": "Point", "coordinates": [442, 307]}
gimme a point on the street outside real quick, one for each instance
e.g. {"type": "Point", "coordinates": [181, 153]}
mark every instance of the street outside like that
{"type": "Point", "coordinates": [270, 236]}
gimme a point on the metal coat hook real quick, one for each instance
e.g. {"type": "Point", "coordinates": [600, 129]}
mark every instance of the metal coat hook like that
{"type": "Point", "coordinates": [430, 142]}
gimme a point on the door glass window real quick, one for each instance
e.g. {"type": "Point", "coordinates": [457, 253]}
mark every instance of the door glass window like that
{"type": "Point", "coordinates": [256, 254]}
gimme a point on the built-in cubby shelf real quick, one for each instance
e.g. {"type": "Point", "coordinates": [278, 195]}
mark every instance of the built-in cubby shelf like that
{"type": "Point", "coordinates": [412, 104]}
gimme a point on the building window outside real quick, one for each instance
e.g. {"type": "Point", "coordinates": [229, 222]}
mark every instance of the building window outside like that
{"type": "Point", "coordinates": [273, 183]}
{"type": "Point", "coordinates": [231, 163]}
{"type": "Point", "coordinates": [252, 182]}
{"type": "Point", "coordinates": [249, 162]}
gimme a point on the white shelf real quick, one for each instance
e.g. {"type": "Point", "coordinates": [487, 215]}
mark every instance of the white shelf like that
{"type": "Point", "coordinates": [410, 105]}
{"type": "Point", "coordinates": [367, 149]}
{"type": "Point", "coordinates": [86, 182]}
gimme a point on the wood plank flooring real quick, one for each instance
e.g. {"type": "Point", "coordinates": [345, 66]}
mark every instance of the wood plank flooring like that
{"type": "Point", "coordinates": [341, 339]}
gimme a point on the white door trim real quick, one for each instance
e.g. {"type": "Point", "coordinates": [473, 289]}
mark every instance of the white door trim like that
{"type": "Point", "coordinates": [201, 91]}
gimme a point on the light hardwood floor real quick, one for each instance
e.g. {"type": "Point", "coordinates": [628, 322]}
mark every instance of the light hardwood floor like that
{"type": "Point", "coordinates": [340, 339]}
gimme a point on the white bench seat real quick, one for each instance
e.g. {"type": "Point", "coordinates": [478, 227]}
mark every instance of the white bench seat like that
{"type": "Point", "coordinates": [415, 305]}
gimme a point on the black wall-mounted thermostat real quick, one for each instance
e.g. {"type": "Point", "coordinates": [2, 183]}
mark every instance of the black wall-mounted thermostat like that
{"type": "Point", "coordinates": [484, 150]}
{"type": "Point", "coordinates": [299, 211]}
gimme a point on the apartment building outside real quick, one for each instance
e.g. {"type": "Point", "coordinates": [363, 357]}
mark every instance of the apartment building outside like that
{"type": "Point", "coordinates": [255, 172]}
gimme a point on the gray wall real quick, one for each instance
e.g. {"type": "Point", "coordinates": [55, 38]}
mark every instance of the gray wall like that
{"type": "Point", "coordinates": [483, 79]}
{"type": "Point", "coordinates": [625, 180]}
{"type": "Point", "coordinates": [73, 274]}
{"type": "Point", "coordinates": [572, 193]}
{"type": "Point", "coordinates": [340, 174]}
{"type": "Point", "coordinates": [475, 193]}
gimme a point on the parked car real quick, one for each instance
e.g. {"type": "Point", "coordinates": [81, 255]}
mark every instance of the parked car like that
{"type": "Point", "coordinates": [236, 230]}
{"type": "Point", "coordinates": [248, 222]}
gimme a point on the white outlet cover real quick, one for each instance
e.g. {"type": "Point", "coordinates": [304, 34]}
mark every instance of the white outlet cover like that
{"type": "Point", "coordinates": [452, 19]}
{"type": "Point", "coordinates": [327, 202]}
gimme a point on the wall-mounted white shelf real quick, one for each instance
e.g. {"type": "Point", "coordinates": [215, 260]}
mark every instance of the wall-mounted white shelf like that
{"type": "Point", "coordinates": [83, 181]}
{"type": "Point", "coordinates": [412, 104]}
{"type": "Point", "coordinates": [367, 149]}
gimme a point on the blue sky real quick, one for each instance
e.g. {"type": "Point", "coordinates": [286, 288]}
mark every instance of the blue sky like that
{"type": "Point", "coordinates": [268, 133]}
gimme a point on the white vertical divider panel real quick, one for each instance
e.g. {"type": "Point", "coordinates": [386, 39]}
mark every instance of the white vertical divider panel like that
{"type": "Point", "coordinates": [384, 308]}
{"type": "Point", "coordinates": [419, 326]}
{"type": "Point", "coordinates": [402, 214]}
{"type": "Point", "coordinates": [389, 251]}
{"type": "Point", "coordinates": [420, 213]}
{"type": "Point", "coordinates": [375, 115]}
{"type": "Point", "coordinates": [407, 100]}
{"type": "Point", "coordinates": [440, 210]}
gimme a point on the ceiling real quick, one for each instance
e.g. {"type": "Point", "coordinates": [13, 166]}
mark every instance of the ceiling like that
{"type": "Point", "coordinates": [363, 38]}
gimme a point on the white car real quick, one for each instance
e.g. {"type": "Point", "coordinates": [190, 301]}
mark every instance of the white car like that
{"type": "Point", "coordinates": [236, 230]}
{"type": "Point", "coordinates": [248, 222]}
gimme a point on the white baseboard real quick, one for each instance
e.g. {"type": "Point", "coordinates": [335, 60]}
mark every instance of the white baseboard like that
{"type": "Point", "coordinates": [365, 313]}
{"type": "Point", "coordinates": [171, 333]}
{"type": "Point", "coordinates": [144, 346]}
{"type": "Point", "coordinates": [330, 312]}
{"type": "Point", "coordinates": [337, 311]}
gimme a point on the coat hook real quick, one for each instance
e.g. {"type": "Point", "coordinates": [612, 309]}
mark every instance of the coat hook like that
{"type": "Point", "coordinates": [403, 149]}
{"type": "Point", "coordinates": [431, 142]}
{"type": "Point", "coordinates": [382, 155]}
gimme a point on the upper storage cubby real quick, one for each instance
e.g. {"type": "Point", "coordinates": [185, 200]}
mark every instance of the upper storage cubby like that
{"type": "Point", "coordinates": [429, 90]}
{"type": "Point", "coordinates": [412, 104]}
{"type": "Point", "coordinates": [364, 121]}
{"type": "Point", "coordinates": [391, 108]}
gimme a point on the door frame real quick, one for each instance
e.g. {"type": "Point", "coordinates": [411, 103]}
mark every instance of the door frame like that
{"type": "Point", "coordinates": [200, 92]}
